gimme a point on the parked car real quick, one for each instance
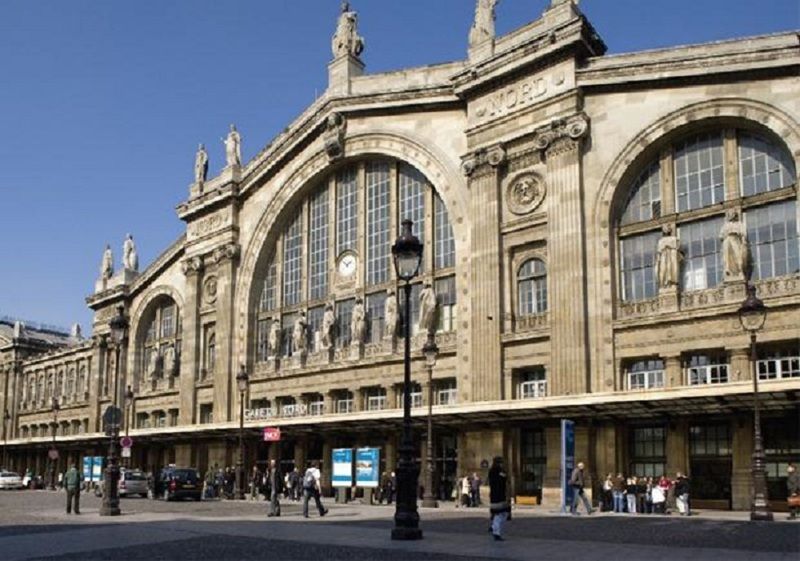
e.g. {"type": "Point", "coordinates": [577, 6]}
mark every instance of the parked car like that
{"type": "Point", "coordinates": [132, 482]}
{"type": "Point", "coordinates": [178, 483]}
{"type": "Point", "coordinates": [10, 480]}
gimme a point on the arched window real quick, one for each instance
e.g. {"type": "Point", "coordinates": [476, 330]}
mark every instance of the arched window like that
{"type": "Point", "coordinates": [159, 341]}
{"type": "Point", "coordinates": [335, 246]}
{"type": "Point", "coordinates": [701, 178]}
{"type": "Point", "coordinates": [532, 287]}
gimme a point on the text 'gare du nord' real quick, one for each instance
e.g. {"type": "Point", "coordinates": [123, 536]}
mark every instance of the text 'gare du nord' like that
{"type": "Point", "coordinates": [589, 225]}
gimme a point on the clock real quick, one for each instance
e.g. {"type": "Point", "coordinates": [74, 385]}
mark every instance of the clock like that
{"type": "Point", "coordinates": [347, 265]}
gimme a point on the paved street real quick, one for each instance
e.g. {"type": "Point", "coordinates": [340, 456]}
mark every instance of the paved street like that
{"type": "Point", "coordinates": [33, 526]}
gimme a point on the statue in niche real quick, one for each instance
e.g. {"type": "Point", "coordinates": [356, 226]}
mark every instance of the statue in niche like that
{"type": "Point", "coordinates": [668, 259]}
{"type": "Point", "coordinates": [201, 165]}
{"type": "Point", "coordinates": [735, 254]}
{"type": "Point", "coordinates": [233, 147]}
{"type": "Point", "coordinates": [427, 309]}
{"type": "Point", "coordinates": [107, 265]}
{"type": "Point", "coordinates": [300, 334]}
{"type": "Point", "coordinates": [154, 365]}
{"type": "Point", "coordinates": [390, 315]}
{"type": "Point", "coordinates": [346, 40]}
{"type": "Point", "coordinates": [130, 260]}
{"type": "Point", "coordinates": [169, 361]}
{"type": "Point", "coordinates": [328, 326]}
{"type": "Point", "coordinates": [483, 25]}
{"type": "Point", "coordinates": [358, 323]}
{"type": "Point", "coordinates": [274, 339]}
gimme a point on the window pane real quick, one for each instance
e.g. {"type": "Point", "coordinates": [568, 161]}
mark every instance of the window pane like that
{"type": "Point", "coordinates": [318, 245]}
{"type": "Point", "coordinates": [292, 261]}
{"type": "Point", "coordinates": [764, 166]}
{"type": "Point", "coordinates": [645, 198]}
{"type": "Point", "coordinates": [412, 201]}
{"type": "Point", "coordinates": [446, 296]}
{"type": "Point", "coordinates": [314, 319]}
{"type": "Point", "coordinates": [637, 266]}
{"type": "Point", "coordinates": [346, 210]}
{"type": "Point", "coordinates": [344, 313]}
{"type": "Point", "coordinates": [378, 192]}
{"type": "Point", "coordinates": [772, 233]}
{"type": "Point", "coordinates": [375, 310]}
{"type": "Point", "coordinates": [532, 287]}
{"type": "Point", "coordinates": [445, 247]}
{"type": "Point", "coordinates": [267, 302]}
{"type": "Point", "coordinates": [699, 172]}
{"type": "Point", "coordinates": [700, 245]}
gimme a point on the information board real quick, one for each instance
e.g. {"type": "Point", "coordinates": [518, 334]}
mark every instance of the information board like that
{"type": "Point", "coordinates": [567, 462]}
{"type": "Point", "coordinates": [342, 475]}
{"type": "Point", "coordinates": [367, 467]}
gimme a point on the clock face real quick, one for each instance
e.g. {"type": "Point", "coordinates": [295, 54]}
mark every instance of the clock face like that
{"type": "Point", "coordinates": [347, 265]}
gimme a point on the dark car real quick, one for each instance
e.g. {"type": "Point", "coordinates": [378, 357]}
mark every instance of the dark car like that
{"type": "Point", "coordinates": [178, 483]}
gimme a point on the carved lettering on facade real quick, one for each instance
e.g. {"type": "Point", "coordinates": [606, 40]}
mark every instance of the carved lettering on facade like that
{"type": "Point", "coordinates": [206, 225]}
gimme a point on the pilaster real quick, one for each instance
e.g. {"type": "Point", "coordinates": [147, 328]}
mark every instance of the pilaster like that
{"type": "Point", "coordinates": [190, 351]}
{"type": "Point", "coordinates": [741, 476]}
{"type": "Point", "coordinates": [741, 368]}
{"type": "Point", "coordinates": [225, 393]}
{"type": "Point", "coordinates": [673, 375]}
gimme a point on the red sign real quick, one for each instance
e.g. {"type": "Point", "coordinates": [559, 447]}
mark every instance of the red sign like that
{"type": "Point", "coordinates": [126, 441]}
{"type": "Point", "coordinates": [272, 434]}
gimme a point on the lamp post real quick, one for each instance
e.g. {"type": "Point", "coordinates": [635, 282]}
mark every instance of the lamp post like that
{"type": "Point", "coordinates": [242, 381]}
{"type": "Point", "coordinates": [430, 350]}
{"type": "Point", "coordinates": [128, 408]}
{"type": "Point", "coordinates": [53, 450]}
{"type": "Point", "coordinates": [110, 506]}
{"type": "Point", "coordinates": [752, 316]}
{"type": "Point", "coordinates": [407, 255]}
{"type": "Point", "coordinates": [6, 419]}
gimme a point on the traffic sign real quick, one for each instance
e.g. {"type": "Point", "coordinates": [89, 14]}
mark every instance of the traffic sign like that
{"type": "Point", "coordinates": [112, 415]}
{"type": "Point", "coordinates": [272, 434]}
{"type": "Point", "coordinates": [52, 454]}
{"type": "Point", "coordinates": [126, 442]}
{"type": "Point", "coordinates": [126, 451]}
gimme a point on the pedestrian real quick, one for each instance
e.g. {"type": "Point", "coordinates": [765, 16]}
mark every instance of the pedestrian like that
{"type": "Point", "coordinates": [682, 494]}
{"type": "Point", "coordinates": [577, 481]}
{"type": "Point", "coordinates": [667, 487]}
{"type": "Point", "coordinates": [294, 481]}
{"type": "Point", "coordinates": [659, 499]}
{"type": "Point", "coordinates": [793, 491]}
{"type": "Point", "coordinates": [475, 490]}
{"type": "Point", "coordinates": [255, 483]}
{"type": "Point", "coordinates": [618, 493]}
{"type": "Point", "coordinates": [499, 507]}
{"type": "Point", "coordinates": [275, 481]}
{"type": "Point", "coordinates": [312, 488]}
{"type": "Point", "coordinates": [608, 489]}
{"type": "Point", "coordinates": [465, 491]}
{"type": "Point", "coordinates": [641, 495]}
{"type": "Point", "coordinates": [630, 493]}
{"type": "Point", "coordinates": [72, 482]}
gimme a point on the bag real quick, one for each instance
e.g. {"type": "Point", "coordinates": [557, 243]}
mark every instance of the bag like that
{"type": "Point", "coordinates": [794, 501]}
{"type": "Point", "coordinates": [309, 481]}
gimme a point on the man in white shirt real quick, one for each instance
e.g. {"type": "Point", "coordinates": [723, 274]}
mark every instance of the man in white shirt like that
{"type": "Point", "coordinates": [311, 488]}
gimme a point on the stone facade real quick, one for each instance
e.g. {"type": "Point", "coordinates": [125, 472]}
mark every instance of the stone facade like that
{"type": "Point", "coordinates": [521, 164]}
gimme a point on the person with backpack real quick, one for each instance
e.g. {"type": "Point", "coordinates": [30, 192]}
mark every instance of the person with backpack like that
{"type": "Point", "coordinates": [311, 488]}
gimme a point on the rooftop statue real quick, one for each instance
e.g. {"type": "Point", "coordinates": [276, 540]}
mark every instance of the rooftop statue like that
{"type": "Point", "coordinates": [201, 165]}
{"type": "Point", "coordinates": [346, 40]}
{"type": "Point", "coordinates": [130, 260]}
{"type": "Point", "coordinates": [107, 266]}
{"type": "Point", "coordinates": [233, 147]}
{"type": "Point", "coordinates": [483, 25]}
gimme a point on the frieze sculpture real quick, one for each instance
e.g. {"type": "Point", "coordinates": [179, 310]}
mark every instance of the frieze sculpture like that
{"type": "Point", "coordinates": [358, 323]}
{"type": "Point", "coordinates": [574, 128]}
{"type": "Point", "coordinates": [525, 194]}
{"type": "Point", "coordinates": [274, 338]}
{"type": "Point", "coordinates": [201, 165]}
{"type": "Point", "coordinates": [483, 24]}
{"type": "Point", "coordinates": [107, 265]}
{"type": "Point", "coordinates": [735, 254]}
{"type": "Point", "coordinates": [427, 309]}
{"type": "Point", "coordinates": [130, 260]}
{"type": "Point", "coordinates": [328, 326]}
{"type": "Point", "coordinates": [233, 148]}
{"type": "Point", "coordinates": [335, 130]}
{"type": "Point", "coordinates": [390, 315]}
{"type": "Point", "coordinates": [346, 40]}
{"type": "Point", "coordinates": [668, 259]}
{"type": "Point", "coordinates": [300, 334]}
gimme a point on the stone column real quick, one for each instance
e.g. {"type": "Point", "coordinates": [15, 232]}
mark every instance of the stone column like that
{"type": "Point", "coordinates": [326, 467]}
{"type": "Point", "coordinates": [190, 359]}
{"type": "Point", "coordinates": [673, 374]}
{"type": "Point", "coordinates": [561, 142]}
{"type": "Point", "coordinates": [741, 367]}
{"type": "Point", "coordinates": [483, 169]}
{"type": "Point", "coordinates": [300, 446]}
{"type": "Point", "coordinates": [677, 447]}
{"type": "Point", "coordinates": [551, 485]}
{"type": "Point", "coordinates": [741, 476]}
{"type": "Point", "coordinates": [96, 381]}
{"type": "Point", "coordinates": [358, 400]}
{"type": "Point", "coordinates": [225, 394]}
{"type": "Point", "coordinates": [390, 447]}
{"type": "Point", "coordinates": [391, 396]}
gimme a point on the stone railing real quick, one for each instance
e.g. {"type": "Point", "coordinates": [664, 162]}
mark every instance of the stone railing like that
{"type": "Point", "coordinates": [521, 324]}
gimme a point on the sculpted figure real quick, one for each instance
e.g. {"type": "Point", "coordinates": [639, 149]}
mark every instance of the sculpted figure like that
{"type": "Point", "coordinates": [154, 366]}
{"type": "Point", "coordinates": [483, 25]}
{"type": "Point", "coordinates": [328, 326]}
{"type": "Point", "coordinates": [300, 334]}
{"type": "Point", "coordinates": [201, 165]}
{"type": "Point", "coordinates": [233, 148]}
{"type": "Point", "coordinates": [668, 259]}
{"type": "Point", "coordinates": [358, 323]}
{"type": "Point", "coordinates": [427, 309]}
{"type": "Point", "coordinates": [169, 361]}
{"type": "Point", "coordinates": [390, 315]}
{"type": "Point", "coordinates": [274, 338]}
{"type": "Point", "coordinates": [735, 255]}
{"type": "Point", "coordinates": [346, 40]}
{"type": "Point", "coordinates": [130, 260]}
{"type": "Point", "coordinates": [107, 266]}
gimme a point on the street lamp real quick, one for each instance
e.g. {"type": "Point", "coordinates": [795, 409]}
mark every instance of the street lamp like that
{"type": "Point", "coordinates": [53, 451]}
{"type": "Point", "coordinates": [752, 316]}
{"type": "Point", "coordinates": [128, 407]}
{"type": "Point", "coordinates": [242, 380]}
{"type": "Point", "coordinates": [119, 332]}
{"type": "Point", "coordinates": [407, 255]}
{"type": "Point", "coordinates": [430, 350]}
{"type": "Point", "coordinates": [6, 419]}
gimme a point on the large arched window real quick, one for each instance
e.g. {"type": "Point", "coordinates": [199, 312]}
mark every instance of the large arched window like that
{"type": "Point", "coordinates": [532, 287]}
{"type": "Point", "coordinates": [335, 246]}
{"type": "Point", "coordinates": [684, 188]}
{"type": "Point", "coordinates": [159, 341]}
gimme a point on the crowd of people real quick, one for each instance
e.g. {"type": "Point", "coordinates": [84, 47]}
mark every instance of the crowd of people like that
{"type": "Point", "coordinates": [645, 495]}
{"type": "Point", "coordinates": [467, 491]}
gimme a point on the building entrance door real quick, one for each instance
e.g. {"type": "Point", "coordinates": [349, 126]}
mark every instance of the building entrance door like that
{"type": "Point", "coordinates": [710, 465]}
{"type": "Point", "coordinates": [446, 465]}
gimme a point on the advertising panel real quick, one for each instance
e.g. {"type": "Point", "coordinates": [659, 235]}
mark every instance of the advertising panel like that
{"type": "Point", "coordinates": [367, 467]}
{"type": "Point", "coordinates": [567, 462]}
{"type": "Point", "coordinates": [342, 475]}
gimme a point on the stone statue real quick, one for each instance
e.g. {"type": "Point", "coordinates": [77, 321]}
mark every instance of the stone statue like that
{"type": "Point", "coordinates": [130, 260]}
{"type": "Point", "coordinates": [274, 338]}
{"type": "Point", "coordinates": [328, 326]}
{"type": "Point", "coordinates": [390, 315]}
{"type": "Point", "coordinates": [427, 309]}
{"type": "Point", "coordinates": [346, 40]}
{"type": "Point", "coordinates": [154, 366]}
{"type": "Point", "coordinates": [169, 361]}
{"type": "Point", "coordinates": [107, 266]}
{"type": "Point", "coordinates": [300, 334]}
{"type": "Point", "coordinates": [233, 148]}
{"type": "Point", "coordinates": [358, 323]}
{"type": "Point", "coordinates": [201, 165]}
{"type": "Point", "coordinates": [19, 330]}
{"type": "Point", "coordinates": [668, 259]}
{"type": "Point", "coordinates": [735, 255]}
{"type": "Point", "coordinates": [75, 332]}
{"type": "Point", "coordinates": [483, 25]}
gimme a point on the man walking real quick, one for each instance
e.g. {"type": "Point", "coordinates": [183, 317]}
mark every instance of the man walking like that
{"type": "Point", "coordinates": [577, 484]}
{"type": "Point", "coordinates": [682, 494]}
{"type": "Point", "coordinates": [499, 507]}
{"type": "Point", "coordinates": [793, 490]}
{"type": "Point", "coordinates": [311, 488]}
{"type": "Point", "coordinates": [275, 480]}
{"type": "Point", "coordinates": [72, 483]}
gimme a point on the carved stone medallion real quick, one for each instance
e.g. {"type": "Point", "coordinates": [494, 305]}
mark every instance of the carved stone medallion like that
{"type": "Point", "coordinates": [525, 193]}
{"type": "Point", "coordinates": [210, 290]}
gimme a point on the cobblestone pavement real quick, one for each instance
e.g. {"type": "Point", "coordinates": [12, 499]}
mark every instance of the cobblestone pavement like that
{"type": "Point", "coordinates": [33, 525]}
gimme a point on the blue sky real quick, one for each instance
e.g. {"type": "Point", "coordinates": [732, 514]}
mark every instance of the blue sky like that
{"type": "Point", "coordinates": [102, 104]}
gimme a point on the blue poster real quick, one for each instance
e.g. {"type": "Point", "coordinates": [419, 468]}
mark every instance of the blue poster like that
{"type": "Point", "coordinates": [97, 468]}
{"type": "Point", "coordinates": [367, 466]}
{"type": "Point", "coordinates": [87, 468]}
{"type": "Point", "coordinates": [567, 462]}
{"type": "Point", "coordinates": [342, 473]}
